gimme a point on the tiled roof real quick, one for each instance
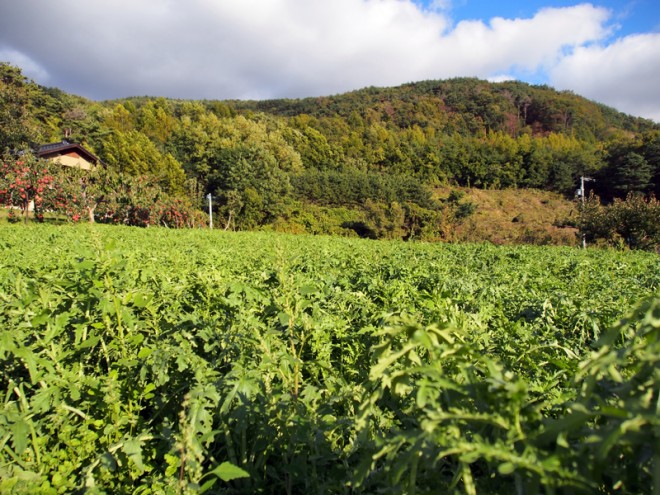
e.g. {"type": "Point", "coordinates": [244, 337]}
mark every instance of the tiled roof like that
{"type": "Point", "coordinates": [64, 145]}
{"type": "Point", "coordinates": [54, 146]}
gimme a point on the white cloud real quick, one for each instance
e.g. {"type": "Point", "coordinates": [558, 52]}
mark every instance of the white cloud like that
{"type": "Point", "coordinates": [524, 44]}
{"type": "Point", "coordinates": [28, 66]}
{"type": "Point", "coordinates": [624, 74]}
{"type": "Point", "coordinates": [497, 78]}
{"type": "Point", "coordinates": [280, 48]}
{"type": "Point", "coordinates": [206, 48]}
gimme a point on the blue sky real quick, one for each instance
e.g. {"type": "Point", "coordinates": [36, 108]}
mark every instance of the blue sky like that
{"type": "Point", "coordinates": [608, 50]}
{"type": "Point", "coordinates": [633, 16]}
{"type": "Point", "coordinates": [627, 17]}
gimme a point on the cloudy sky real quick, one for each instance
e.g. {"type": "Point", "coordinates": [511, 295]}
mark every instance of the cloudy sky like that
{"type": "Point", "coordinates": [608, 50]}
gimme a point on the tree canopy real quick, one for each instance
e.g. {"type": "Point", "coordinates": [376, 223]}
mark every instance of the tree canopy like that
{"type": "Point", "coordinates": [263, 159]}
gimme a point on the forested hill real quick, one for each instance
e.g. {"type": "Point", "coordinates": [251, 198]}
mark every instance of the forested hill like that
{"type": "Point", "coordinates": [369, 162]}
{"type": "Point", "coordinates": [465, 105]}
{"type": "Point", "coordinates": [474, 133]}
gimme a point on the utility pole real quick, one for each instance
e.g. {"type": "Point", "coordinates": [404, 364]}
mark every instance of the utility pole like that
{"type": "Point", "coordinates": [210, 198]}
{"type": "Point", "coordinates": [582, 194]}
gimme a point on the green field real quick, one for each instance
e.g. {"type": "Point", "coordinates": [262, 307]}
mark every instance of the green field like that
{"type": "Point", "coordinates": [159, 361]}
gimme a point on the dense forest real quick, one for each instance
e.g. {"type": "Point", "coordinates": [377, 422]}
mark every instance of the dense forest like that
{"type": "Point", "coordinates": [366, 162]}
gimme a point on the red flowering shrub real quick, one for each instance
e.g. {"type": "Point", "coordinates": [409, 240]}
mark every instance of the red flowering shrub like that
{"type": "Point", "coordinates": [176, 213]}
{"type": "Point", "coordinates": [99, 195]}
{"type": "Point", "coordinates": [140, 201]}
{"type": "Point", "coordinates": [26, 183]}
{"type": "Point", "coordinates": [78, 192]}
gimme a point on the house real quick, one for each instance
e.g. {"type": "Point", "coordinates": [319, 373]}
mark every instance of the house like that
{"type": "Point", "coordinates": [69, 154]}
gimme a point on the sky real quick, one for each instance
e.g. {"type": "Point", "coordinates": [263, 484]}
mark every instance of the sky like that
{"type": "Point", "coordinates": [607, 50]}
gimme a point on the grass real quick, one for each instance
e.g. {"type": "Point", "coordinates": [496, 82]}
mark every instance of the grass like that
{"type": "Point", "coordinates": [49, 217]}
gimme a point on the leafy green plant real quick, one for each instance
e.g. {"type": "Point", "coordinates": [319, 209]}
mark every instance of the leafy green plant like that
{"type": "Point", "coordinates": [161, 361]}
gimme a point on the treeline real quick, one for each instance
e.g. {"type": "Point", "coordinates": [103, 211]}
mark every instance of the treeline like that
{"type": "Point", "coordinates": [263, 160]}
{"type": "Point", "coordinates": [467, 106]}
{"type": "Point", "coordinates": [355, 187]}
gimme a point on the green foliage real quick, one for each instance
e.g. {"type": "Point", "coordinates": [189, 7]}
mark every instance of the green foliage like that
{"type": "Point", "coordinates": [613, 425]}
{"type": "Point", "coordinates": [132, 153]}
{"type": "Point", "coordinates": [102, 195]}
{"type": "Point", "coordinates": [464, 105]}
{"type": "Point", "coordinates": [634, 221]}
{"type": "Point", "coordinates": [17, 130]}
{"type": "Point", "coordinates": [251, 188]}
{"type": "Point", "coordinates": [156, 121]}
{"type": "Point", "coordinates": [383, 221]}
{"type": "Point", "coordinates": [633, 173]}
{"type": "Point", "coordinates": [318, 365]}
{"type": "Point", "coordinates": [119, 119]}
{"type": "Point", "coordinates": [385, 145]}
{"type": "Point", "coordinates": [312, 146]}
{"type": "Point", "coordinates": [299, 218]}
{"type": "Point", "coordinates": [355, 187]}
{"type": "Point", "coordinates": [633, 165]}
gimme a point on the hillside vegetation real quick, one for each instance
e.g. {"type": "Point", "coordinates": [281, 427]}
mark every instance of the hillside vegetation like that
{"type": "Point", "coordinates": [362, 163]}
{"type": "Point", "coordinates": [518, 216]}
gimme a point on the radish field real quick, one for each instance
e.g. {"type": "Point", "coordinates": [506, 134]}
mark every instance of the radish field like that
{"type": "Point", "coordinates": [155, 361]}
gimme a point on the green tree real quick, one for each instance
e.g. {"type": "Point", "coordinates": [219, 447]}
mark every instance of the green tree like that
{"type": "Point", "coordinates": [119, 119]}
{"type": "Point", "coordinates": [637, 221]}
{"type": "Point", "coordinates": [632, 165]}
{"type": "Point", "coordinates": [634, 221]}
{"type": "Point", "coordinates": [384, 221]}
{"type": "Point", "coordinates": [17, 129]}
{"type": "Point", "coordinates": [650, 150]}
{"type": "Point", "coordinates": [156, 121]}
{"type": "Point", "coordinates": [632, 173]}
{"type": "Point", "coordinates": [193, 143]}
{"type": "Point", "coordinates": [311, 145]}
{"type": "Point", "coordinates": [251, 187]}
{"type": "Point", "coordinates": [134, 154]}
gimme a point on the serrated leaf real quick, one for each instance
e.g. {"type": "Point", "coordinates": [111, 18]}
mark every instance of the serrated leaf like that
{"type": "Point", "coordinates": [20, 431]}
{"type": "Point", "coordinates": [228, 471]}
{"type": "Point", "coordinates": [283, 318]}
{"type": "Point", "coordinates": [86, 264]}
{"type": "Point", "coordinates": [40, 319]}
{"type": "Point", "coordinates": [133, 449]}
{"type": "Point", "coordinates": [90, 342]}
{"type": "Point", "coordinates": [306, 290]}
{"type": "Point", "coordinates": [140, 300]}
{"type": "Point", "coordinates": [145, 352]}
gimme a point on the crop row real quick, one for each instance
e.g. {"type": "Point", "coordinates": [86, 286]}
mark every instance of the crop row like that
{"type": "Point", "coordinates": [157, 361]}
